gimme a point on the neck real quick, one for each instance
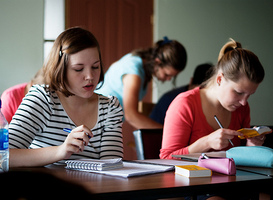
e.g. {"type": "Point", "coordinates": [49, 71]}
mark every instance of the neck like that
{"type": "Point", "coordinates": [75, 101]}
{"type": "Point", "coordinates": [210, 93]}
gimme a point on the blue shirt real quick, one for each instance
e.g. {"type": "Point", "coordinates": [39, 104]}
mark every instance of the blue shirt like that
{"type": "Point", "coordinates": [113, 85]}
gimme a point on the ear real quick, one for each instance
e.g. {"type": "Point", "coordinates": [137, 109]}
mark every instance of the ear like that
{"type": "Point", "coordinates": [157, 61]}
{"type": "Point", "coordinates": [219, 78]}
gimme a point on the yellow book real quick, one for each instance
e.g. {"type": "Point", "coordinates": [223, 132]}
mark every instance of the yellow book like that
{"type": "Point", "coordinates": [192, 171]}
{"type": "Point", "coordinates": [253, 132]}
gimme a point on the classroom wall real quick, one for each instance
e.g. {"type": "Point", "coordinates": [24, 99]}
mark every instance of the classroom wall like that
{"type": "Point", "coordinates": [21, 40]}
{"type": "Point", "coordinates": [203, 27]}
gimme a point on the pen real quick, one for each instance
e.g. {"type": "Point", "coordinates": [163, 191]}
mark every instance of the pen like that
{"type": "Point", "coordinates": [205, 156]}
{"type": "Point", "coordinates": [219, 123]}
{"type": "Point", "coordinates": [68, 130]}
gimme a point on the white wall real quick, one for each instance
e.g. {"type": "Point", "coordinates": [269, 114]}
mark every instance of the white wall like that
{"type": "Point", "coordinates": [21, 40]}
{"type": "Point", "coordinates": [203, 27]}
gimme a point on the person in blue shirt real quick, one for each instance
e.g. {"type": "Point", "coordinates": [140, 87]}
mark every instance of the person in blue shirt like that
{"type": "Point", "coordinates": [201, 74]}
{"type": "Point", "coordinates": [127, 78]}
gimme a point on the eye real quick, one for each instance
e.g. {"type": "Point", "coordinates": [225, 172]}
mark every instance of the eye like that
{"type": "Point", "coordinates": [78, 70]}
{"type": "Point", "coordinates": [95, 67]}
{"type": "Point", "coordinates": [238, 93]}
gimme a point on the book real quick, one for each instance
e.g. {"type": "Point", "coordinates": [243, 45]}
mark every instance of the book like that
{"type": "Point", "coordinates": [191, 171]}
{"type": "Point", "coordinates": [253, 132]}
{"type": "Point", "coordinates": [132, 169]}
{"type": "Point", "coordinates": [94, 164]}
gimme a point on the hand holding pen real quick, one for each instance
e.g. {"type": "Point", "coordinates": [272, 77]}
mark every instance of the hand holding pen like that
{"type": "Point", "coordinates": [219, 123]}
{"type": "Point", "coordinates": [221, 138]}
{"type": "Point", "coordinates": [75, 141]}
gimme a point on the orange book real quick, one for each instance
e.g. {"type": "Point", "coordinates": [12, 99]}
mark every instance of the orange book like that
{"type": "Point", "coordinates": [253, 132]}
{"type": "Point", "coordinates": [191, 171]}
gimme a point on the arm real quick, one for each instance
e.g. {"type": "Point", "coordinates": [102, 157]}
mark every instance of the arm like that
{"type": "Point", "coordinates": [74, 143]}
{"type": "Point", "coordinates": [180, 123]}
{"type": "Point", "coordinates": [111, 142]}
{"type": "Point", "coordinates": [132, 84]}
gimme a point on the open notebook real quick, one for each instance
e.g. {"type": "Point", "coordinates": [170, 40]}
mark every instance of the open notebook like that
{"type": "Point", "coordinates": [128, 169]}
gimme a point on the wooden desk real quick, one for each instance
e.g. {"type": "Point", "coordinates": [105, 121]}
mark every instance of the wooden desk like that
{"type": "Point", "coordinates": [164, 185]}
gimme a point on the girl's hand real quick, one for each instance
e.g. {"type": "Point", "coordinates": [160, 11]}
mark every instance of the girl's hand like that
{"type": "Point", "coordinates": [219, 139]}
{"type": "Point", "coordinates": [256, 141]}
{"type": "Point", "coordinates": [75, 142]}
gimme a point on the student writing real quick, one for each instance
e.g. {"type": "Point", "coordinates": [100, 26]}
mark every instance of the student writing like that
{"type": "Point", "coordinates": [190, 126]}
{"type": "Point", "coordinates": [72, 72]}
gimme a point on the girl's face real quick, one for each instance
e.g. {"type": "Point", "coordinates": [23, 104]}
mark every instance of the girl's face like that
{"type": "Point", "coordinates": [83, 72]}
{"type": "Point", "coordinates": [233, 95]}
{"type": "Point", "coordinates": [165, 73]}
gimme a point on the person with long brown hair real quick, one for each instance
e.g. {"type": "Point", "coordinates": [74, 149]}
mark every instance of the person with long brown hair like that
{"type": "Point", "coordinates": [127, 79]}
{"type": "Point", "coordinates": [190, 126]}
{"type": "Point", "coordinates": [67, 101]}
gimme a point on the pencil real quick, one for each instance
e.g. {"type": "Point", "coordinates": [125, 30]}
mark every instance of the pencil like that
{"type": "Point", "coordinates": [219, 123]}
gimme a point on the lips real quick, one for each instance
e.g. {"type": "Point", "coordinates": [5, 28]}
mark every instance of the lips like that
{"type": "Point", "coordinates": [88, 87]}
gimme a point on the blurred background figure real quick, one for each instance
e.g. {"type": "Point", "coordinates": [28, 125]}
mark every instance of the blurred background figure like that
{"type": "Point", "coordinates": [127, 78]}
{"type": "Point", "coordinates": [13, 96]}
{"type": "Point", "coordinates": [201, 73]}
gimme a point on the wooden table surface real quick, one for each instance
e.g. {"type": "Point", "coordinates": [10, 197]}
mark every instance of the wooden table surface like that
{"type": "Point", "coordinates": [162, 185]}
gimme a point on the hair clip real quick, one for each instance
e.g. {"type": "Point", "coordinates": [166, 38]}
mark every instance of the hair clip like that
{"type": "Point", "coordinates": [165, 40]}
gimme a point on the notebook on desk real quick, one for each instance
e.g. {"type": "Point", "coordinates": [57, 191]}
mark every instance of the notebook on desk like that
{"type": "Point", "coordinates": [195, 156]}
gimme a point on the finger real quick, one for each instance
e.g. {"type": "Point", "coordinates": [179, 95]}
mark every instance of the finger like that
{"type": "Point", "coordinates": [85, 129]}
{"type": "Point", "coordinates": [78, 143]}
{"type": "Point", "coordinates": [232, 132]}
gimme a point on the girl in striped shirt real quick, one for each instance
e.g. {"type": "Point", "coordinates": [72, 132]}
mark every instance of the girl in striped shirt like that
{"type": "Point", "coordinates": [67, 100]}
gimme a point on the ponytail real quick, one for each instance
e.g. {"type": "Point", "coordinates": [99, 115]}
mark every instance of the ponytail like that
{"type": "Point", "coordinates": [235, 62]}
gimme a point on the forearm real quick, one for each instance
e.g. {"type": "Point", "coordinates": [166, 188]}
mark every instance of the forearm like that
{"type": "Point", "coordinates": [139, 121]}
{"type": "Point", "coordinates": [200, 145]}
{"type": "Point", "coordinates": [33, 157]}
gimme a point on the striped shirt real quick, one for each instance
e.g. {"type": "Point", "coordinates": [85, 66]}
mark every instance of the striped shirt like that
{"type": "Point", "coordinates": [41, 118]}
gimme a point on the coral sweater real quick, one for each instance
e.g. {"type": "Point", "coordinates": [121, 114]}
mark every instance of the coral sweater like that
{"type": "Point", "coordinates": [185, 123]}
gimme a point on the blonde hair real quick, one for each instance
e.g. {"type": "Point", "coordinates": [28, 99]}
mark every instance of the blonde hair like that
{"type": "Point", "coordinates": [235, 61]}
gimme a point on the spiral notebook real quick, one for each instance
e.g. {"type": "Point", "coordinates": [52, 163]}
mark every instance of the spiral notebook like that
{"type": "Point", "coordinates": [94, 165]}
{"type": "Point", "coordinates": [126, 170]}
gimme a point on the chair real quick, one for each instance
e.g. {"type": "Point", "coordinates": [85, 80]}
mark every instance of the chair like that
{"type": "Point", "coordinates": [148, 143]}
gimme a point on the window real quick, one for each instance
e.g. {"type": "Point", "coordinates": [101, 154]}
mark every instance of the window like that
{"type": "Point", "coordinates": [54, 22]}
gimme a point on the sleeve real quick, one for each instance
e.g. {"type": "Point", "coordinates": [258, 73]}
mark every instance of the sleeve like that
{"type": "Point", "coordinates": [29, 119]}
{"type": "Point", "coordinates": [9, 105]}
{"type": "Point", "coordinates": [112, 142]}
{"type": "Point", "coordinates": [177, 127]}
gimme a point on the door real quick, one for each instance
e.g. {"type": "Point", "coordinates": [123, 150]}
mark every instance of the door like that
{"type": "Point", "coordinates": [120, 27]}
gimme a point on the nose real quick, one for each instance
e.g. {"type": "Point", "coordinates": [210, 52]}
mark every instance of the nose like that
{"type": "Point", "coordinates": [89, 75]}
{"type": "Point", "coordinates": [243, 101]}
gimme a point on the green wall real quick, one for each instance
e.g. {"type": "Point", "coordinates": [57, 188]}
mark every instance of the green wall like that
{"type": "Point", "coordinates": [204, 26]}
{"type": "Point", "coordinates": [21, 40]}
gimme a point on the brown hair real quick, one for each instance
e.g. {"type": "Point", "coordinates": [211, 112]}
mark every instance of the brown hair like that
{"type": "Point", "coordinates": [169, 52]}
{"type": "Point", "coordinates": [235, 61]}
{"type": "Point", "coordinates": [68, 42]}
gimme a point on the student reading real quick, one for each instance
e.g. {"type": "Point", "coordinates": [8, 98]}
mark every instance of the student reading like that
{"type": "Point", "coordinates": [190, 126]}
{"type": "Point", "coordinates": [72, 72]}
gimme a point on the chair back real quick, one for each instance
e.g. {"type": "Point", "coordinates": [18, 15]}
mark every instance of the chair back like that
{"type": "Point", "coordinates": [148, 143]}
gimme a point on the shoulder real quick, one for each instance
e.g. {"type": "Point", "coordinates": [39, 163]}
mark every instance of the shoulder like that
{"type": "Point", "coordinates": [42, 96]}
{"type": "Point", "coordinates": [131, 64]}
{"type": "Point", "coordinates": [110, 102]}
{"type": "Point", "coordinates": [188, 97]}
{"type": "Point", "coordinates": [15, 91]}
{"type": "Point", "coordinates": [185, 104]}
